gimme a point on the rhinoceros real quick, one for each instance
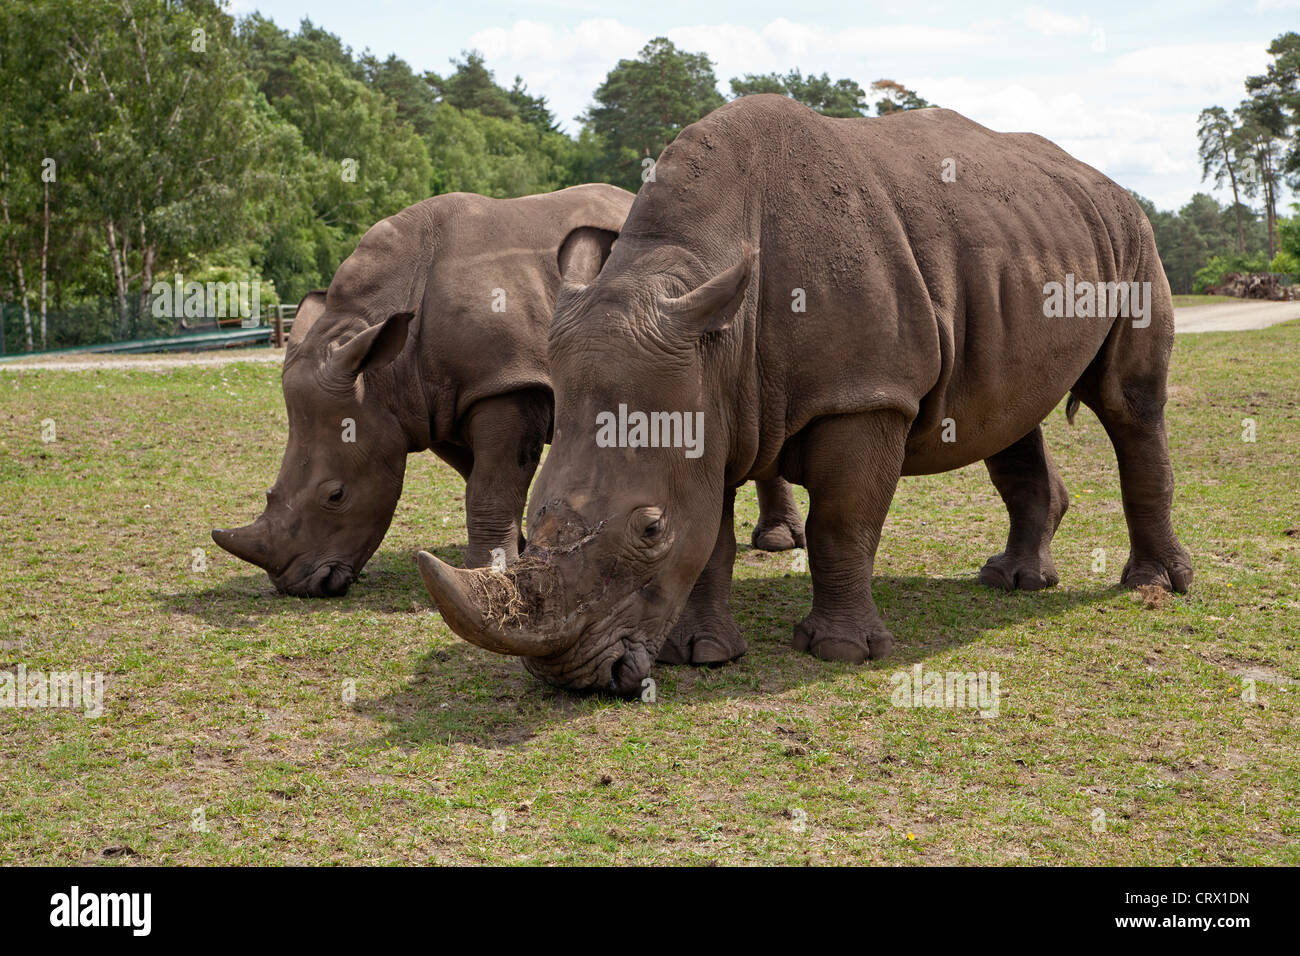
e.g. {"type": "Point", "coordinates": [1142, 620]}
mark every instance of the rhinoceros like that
{"type": "Point", "coordinates": [843, 301]}
{"type": "Point", "coordinates": [433, 336]}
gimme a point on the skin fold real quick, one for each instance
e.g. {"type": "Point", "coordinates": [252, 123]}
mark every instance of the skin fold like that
{"type": "Point", "coordinates": [432, 336]}
{"type": "Point", "coordinates": [846, 302]}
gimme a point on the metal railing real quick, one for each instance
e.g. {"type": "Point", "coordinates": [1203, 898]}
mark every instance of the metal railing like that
{"type": "Point", "coordinates": [272, 329]}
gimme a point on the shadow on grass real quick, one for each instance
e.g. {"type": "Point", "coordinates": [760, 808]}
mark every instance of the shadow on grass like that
{"type": "Point", "coordinates": [387, 584]}
{"type": "Point", "coordinates": [460, 694]}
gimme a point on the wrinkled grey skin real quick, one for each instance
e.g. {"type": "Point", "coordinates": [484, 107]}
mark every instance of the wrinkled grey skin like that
{"type": "Point", "coordinates": [924, 313]}
{"type": "Point", "coordinates": [432, 336]}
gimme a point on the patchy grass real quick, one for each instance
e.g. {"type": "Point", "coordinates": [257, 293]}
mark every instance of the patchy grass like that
{"type": "Point", "coordinates": [225, 698]}
{"type": "Point", "coordinates": [1185, 301]}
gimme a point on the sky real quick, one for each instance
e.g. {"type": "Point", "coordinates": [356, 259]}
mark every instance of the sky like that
{"type": "Point", "coordinates": [1119, 85]}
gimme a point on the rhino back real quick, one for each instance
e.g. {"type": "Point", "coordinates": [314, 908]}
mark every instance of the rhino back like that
{"type": "Point", "coordinates": [481, 275]}
{"type": "Point", "coordinates": [918, 293]}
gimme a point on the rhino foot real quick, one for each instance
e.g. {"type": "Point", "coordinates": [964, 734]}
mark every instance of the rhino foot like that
{"type": "Point", "coordinates": [784, 535]}
{"type": "Point", "coordinates": [703, 639]}
{"type": "Point", "coordinates": [1019, 573]}
{"type": "Point", "coordinates": [833, 640]}
{"type": "Point", "coordinates": [1173, 573]}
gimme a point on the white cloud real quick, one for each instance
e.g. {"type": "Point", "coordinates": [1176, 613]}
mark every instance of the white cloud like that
{"type": "Point", "coordinates": [1208, 68]}
{"type": "Point", "coordinates": [567, 63]}
{"type": "Point", "coordinates": [531, 39]}
{"type": "Point", "coordinates": [1132, 115]}
{"type": "Point", "coordinates": [1050, 23]}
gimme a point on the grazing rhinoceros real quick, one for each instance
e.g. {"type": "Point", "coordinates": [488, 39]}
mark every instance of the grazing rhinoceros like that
{"type": "Point", "coordinates": [844, 302]}
{"type": "Point", "coordinates": [433, 336]}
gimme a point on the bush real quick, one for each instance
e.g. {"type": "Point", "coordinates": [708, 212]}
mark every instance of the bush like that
{"type": "Point", "coordinates": [1285, 262]}
{"type": "Point", "coordinates": [1212, 273]}
{"type": "Point", "coordinates": [1288, 234]}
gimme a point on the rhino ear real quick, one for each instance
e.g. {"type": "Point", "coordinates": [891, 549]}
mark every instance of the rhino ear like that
{"type": "Point", "coordinates": [583, 253]}
{"type": "Point", "coordinates": [713, 305]}
{"type": "Point", "coordinates": [375, 347]}
{"type": "Point", "coordinates": [311, 308]}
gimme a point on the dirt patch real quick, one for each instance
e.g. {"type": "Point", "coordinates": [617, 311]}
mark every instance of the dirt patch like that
{"type": "Point", "coordinates": [1152, 596]}
{"type": "Point", "coordinates": [151, 362]}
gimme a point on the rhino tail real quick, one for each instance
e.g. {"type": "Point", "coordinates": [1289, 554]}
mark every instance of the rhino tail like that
{"type": "Point", "coordinates": [1071, 407]}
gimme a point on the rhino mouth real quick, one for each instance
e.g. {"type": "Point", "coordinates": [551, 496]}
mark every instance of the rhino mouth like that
{"type": "Point", "coordinates": [564, 610]}
{"type": "Point", "coordinates": [612, 655]}
{"type": "Point", "coordinates": [322, 581]}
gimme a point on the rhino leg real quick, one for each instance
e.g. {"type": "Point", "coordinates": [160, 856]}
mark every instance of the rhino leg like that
{"type": "Point", "coordinates": [850, 465]}
{"type": "Point", "coordinates": [1125, 387]}
{"type": "Point", "coordinates": [780, 525]}
{"type": "Point", "coordinates": [1036, 499]}
{"type": "Point", "coordinates": [505, 435]}
{"type": "Point", "coordinates": [1146, 480]}
{"type": "Point", "coordinates": [706, 633]}
{"type": "Point", "coordinates": [1147, 486]}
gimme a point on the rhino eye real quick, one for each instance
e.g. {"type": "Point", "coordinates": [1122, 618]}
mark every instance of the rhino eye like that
{"type": "Point", "coordinates": [336, 495]}
{"type": "Point", "coordinates": [646, 526]}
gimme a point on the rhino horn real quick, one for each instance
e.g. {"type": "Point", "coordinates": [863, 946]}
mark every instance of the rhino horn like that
{"type": "Point", "coordinates": [466, 600]}
{"type": "Point", "coordinates": [250, 543]}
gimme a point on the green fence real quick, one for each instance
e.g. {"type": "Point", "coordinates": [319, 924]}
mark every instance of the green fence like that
{"type": "Point", "coordinates": [96, 327]}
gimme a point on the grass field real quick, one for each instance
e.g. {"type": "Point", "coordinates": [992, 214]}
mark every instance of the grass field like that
{"type": "Point", "coordinates": [1125, 731]}
{"type": "Point", "coordinates": [1184, 301]}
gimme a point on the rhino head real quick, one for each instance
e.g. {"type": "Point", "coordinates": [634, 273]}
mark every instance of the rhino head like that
{"type": "Point", "coordinates": [617, 535]}
{"type": "Point", "coordinates": [341, 474]}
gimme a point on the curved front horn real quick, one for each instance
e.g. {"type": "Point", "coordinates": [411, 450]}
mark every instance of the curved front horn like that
{"type": "Point", "coordinates": [485, 608]}
{"type": "Point", "coordinates": [250, 543]}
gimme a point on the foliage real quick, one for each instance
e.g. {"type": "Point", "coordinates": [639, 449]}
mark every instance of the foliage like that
{"type": "Point", "coordinates": [495, 156]}
{"type": "Point", "coordinates": [842, 98]}
{"type": "Point", "coordinates": [1289, 234]}
{"type": "Point", "coordinates": [1211, 274]}
{"type": "Point", "coordinates": [645, 102]}
{"type": "Point", "coordinates": [1188, 237]}
{"type": "Point", "coordinates": [1285, 262]}
{"type": "Point", "coordinates": [144, 138]}
{"type": "Point", "coordinates": [895, 97]}
{"type": "Point", "coordinates": [1278, 90]}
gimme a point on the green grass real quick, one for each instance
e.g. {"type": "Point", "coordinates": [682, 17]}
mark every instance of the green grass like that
{"type": "Point", "coordinates": [1184, 301]}
{"type": "Point", "coordinates": [227, 698]}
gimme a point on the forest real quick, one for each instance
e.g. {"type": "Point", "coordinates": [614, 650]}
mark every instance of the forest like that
{"type": "Point", "coordinates": [142, 141]}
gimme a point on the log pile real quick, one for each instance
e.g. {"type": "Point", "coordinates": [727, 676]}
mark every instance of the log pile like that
{"type": "Point", "coordinates": [1255, 285]}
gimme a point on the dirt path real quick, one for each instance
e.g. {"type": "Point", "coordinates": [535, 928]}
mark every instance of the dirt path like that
{"type": "Point", "coordinates": [1234, 316]}
{"type": "Point", "coordinates": [1223, 317]}
{"type": "Point", "coordinates": [149, 363]}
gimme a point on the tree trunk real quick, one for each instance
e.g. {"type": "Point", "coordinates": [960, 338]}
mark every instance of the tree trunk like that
{"type": "Point", "coordinates": [1236, 200]}
{"type": "Point", "coordinates": [27, 307]}
{"type": "Point", "coordinates": [1270, 206]}
{"type": "Point", "coordinates": [147, 253]}
{"type": "Point", "coordinates": [146, 282]}
{"type": "Point", "coordinates": [45, 259]}
{"type": "Point", "coordinates": [22, 280]}
{"type": "Point", "coordinates": [119, 273]}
